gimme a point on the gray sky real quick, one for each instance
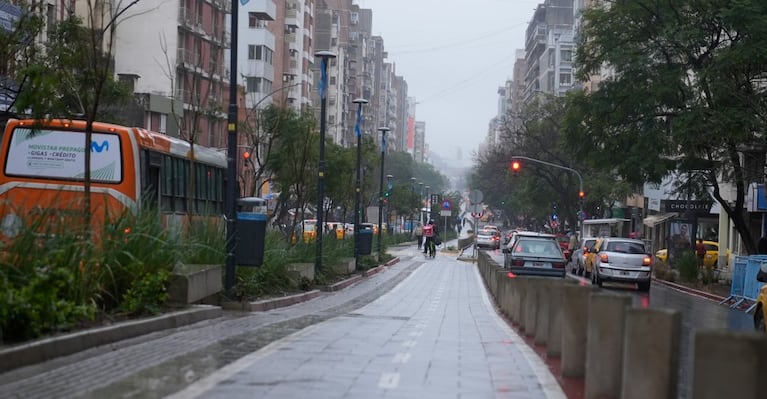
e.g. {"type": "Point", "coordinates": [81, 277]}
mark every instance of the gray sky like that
{"type": "Point", "coordinates": [454, 54]}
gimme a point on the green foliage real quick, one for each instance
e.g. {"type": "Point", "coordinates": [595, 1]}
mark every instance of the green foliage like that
{"type": "Point", "coordinates": [687, 94]}
{"type": "Point", "coordinates": [688, 267]}
{"type": "Point", "coordinates": [146, 294]}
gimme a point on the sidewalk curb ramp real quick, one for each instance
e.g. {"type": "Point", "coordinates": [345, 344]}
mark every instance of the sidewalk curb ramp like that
{"type": "Point", "coordinates": [26, 354]}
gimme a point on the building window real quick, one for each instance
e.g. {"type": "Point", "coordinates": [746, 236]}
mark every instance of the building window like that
{"type": "Point", "coordinates": [251, 52]}
{"type": "Point", "coordinates": [566, 55]}
{"type": "Point", "coordinates": [163, 128]}
{"type": "Point", "coordinates": [253, 84]}
{"type": "Point", "coordinates": [254, 22]}
{"type": "Point", "coordinates": [565, 79]}
{"type": "Point", "coordinates": [261, 53]}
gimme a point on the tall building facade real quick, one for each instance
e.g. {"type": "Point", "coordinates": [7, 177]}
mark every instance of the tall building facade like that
{"type": "Point", "coordinates": [178, 69]}
{"type": "Point", "coordinates": [549, 49]}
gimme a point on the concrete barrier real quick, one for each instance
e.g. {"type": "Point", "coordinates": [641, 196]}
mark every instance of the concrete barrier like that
{"type": "Point", "coordinates": [543, 296]}
{"type": "Point", "coordinates": [193, 283]}
{"type": "Point", "coordinates": [597, 336]}
{"type": "Point", "coordinates": [729, 365]}
{"type": "Point", "coordinates": [554, 338]}
{"type": "Point", "coordinates": [575, 316]}
{"type": "Point", "coordinates": [651, 354]}
{"type": "Point", "coordinates": [604, 344]}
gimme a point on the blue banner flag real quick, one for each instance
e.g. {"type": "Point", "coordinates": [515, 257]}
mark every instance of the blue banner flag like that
{"type": "Point", "coordinates": [358, 125]}
{"type": "Point", "coordinates": [323, 78]}
{"type": "Point", "coordinates": [243, 2]}
{"type": "Point", "coordinates": [383, 142]}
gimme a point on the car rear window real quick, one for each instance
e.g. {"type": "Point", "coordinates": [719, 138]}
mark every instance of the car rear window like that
{"type": "Point", "coordinates": [626, 247]}
{"type": "Point", "coordinates": [536, 247]}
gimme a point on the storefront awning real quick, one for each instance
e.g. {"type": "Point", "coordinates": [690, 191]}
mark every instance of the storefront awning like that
{"type": "Point", "coordinates": [653, 220]}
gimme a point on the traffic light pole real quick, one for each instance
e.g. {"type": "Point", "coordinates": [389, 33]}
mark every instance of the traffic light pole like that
{"type": "Point", "coordinates": [580, 181]}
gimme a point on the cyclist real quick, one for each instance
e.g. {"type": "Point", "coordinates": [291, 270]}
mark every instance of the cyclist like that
{"type": "Point", "coordinates": [429, 233]}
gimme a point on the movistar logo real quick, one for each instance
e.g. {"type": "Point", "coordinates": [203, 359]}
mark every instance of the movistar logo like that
{"type": "Point", "coordinates": [98, 148]}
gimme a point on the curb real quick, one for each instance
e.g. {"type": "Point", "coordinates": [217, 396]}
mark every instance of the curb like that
{"type": "Point", "coordinates": [49, 348]}
{"type": "Point", "coordinates": [341, 284]}
{"type": "Point", "coordinates": [269, 304]}
{"type": "Point", "coordinates": [693, 291]}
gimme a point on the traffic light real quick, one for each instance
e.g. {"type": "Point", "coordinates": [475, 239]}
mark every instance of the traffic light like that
{"type": "Point", "coordinates": [581, 194]}
{"type": "Point", "coordinates": [246, 155]}
{"type": "Point", "coordinates": [515, 166]}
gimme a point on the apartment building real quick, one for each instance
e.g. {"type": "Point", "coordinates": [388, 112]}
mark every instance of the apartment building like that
{"type": "Point", "coordinates": [549, 45]}
{"type": "Point", "coordinates": [178, 70]}
{"type": "Point", "coordinates": [293, 30]}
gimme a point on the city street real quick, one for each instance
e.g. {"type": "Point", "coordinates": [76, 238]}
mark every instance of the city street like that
{"type": "Point", "coordinates": [421, 328]}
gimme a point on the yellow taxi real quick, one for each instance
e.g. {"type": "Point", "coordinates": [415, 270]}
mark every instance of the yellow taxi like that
{"type": "Point", "coordinates": [760, 312]}
{"type": "Point", "coordinates": [590, 256]}
{"type": "Point", "coordinates": [710, 260]}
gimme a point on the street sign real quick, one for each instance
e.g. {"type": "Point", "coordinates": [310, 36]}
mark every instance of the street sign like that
{"type": "Point", "coordinates": [446, 205]}
{"type": "Point", "coordinates": [476, 208]}
{"type": "Point", "coordinates": [475, 196]}
{"type": "Point", "coordinates": [445, 212]}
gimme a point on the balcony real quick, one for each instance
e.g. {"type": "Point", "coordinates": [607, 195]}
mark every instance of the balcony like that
{"type": "Point", "coordinates": [264, 10]}
{"type": "Point", "coordinates": [291, 18]}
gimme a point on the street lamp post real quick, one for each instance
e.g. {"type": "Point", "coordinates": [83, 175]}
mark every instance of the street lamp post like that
{"type": "Point", "coordinates": [231, 158]}
{"type": "Point", "coordinates": [358, 184]}
{"type": "Point", "coordinates": [412, 196]}
{"type": "Point", "coordinates": [428, 205]}
{"type": "Point", "coordinates": [389, 179]}
{"type": "Point", "coordinates": [420, 202]}
{"type": "Point", "coordinates": [324, 57]}
{"type": "Point", "coordinates": [580, 181]}
{"type": "Point", "coordinates": [383, 131]}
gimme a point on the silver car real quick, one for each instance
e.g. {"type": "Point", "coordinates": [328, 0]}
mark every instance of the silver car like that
{"type": "Point", "coordinates": [489, 238]}
{"type": "Point", "coordinates": [622, 260]}
{"type": "Point", "coordinates": [579, 256]}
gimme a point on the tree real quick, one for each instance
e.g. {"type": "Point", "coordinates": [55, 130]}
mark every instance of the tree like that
{"type": "Point", "coordinates": [687, 94]}
{"type": "Point", "coordinates": [73, 76]}
{"type": "Point", "coordinates": [294, 163]}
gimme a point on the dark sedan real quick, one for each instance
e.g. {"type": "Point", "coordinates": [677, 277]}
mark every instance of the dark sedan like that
{"type": "Point", "coordinates": [538, 256]}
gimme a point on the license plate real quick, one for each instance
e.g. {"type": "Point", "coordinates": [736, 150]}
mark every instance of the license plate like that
{"type": "Point", "coordinates": [537, 264]}
{"type": "Point", "coordinates": [624, 273]}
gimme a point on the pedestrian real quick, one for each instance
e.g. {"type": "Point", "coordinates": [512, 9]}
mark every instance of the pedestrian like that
{"type": "Point", "coordinates": [700, 252]}
{"type": "Point", "coordinates": [419, 234]}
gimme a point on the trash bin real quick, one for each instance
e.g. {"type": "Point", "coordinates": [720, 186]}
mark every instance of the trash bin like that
{"type": "Point", "coordinates": [365, 245]}
{"type": "Point", "coordinates": [251, 231]}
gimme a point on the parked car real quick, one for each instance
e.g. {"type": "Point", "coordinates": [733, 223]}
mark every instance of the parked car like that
{"type": "Point", "coordinates": [622, 260]}
{"type": "Point", "coordinates": [579, 256]}
{"type": "Point", "coordinates": [710, 260]}
{"type": "Point", "coordinates": [489, 238]}
{"type": "Point", "coordinates": [535, 255]}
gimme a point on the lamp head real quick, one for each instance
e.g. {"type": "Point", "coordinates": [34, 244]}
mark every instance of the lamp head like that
{"type": "Point", "coordinates": [360, 101]}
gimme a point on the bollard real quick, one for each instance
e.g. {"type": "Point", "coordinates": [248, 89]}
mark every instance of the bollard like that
{"type": "Point", "coordinates": [575, 315]}
{"type": "Point", "coordinates": [514, 298]}
{"type": "Point", "coordinates": [554, 339]}
{"type": "Point", "coordinates": [500, 289]}
{"type": "Point", "coordinates": [604, 344]}
{"type": "Point", "coordinates": [531, 305]}
{"type": "Point", "coordinates": [729, 365]}
{"type": "Point", "coordinates": [506, 293]}
{"type": "Point", "coordinates": [651, 354]}
{"type": "Point", "coordinates": [542, 315]}
{"type": "Point", "coordinates": [523, 284]}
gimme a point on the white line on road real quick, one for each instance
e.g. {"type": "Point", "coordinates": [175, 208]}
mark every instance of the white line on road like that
{"type": "Point", "coordinates": [409, 343]}
{"type": "Point", "coordinates": [401, 358]}
{"type": "Point", "coordinates": [389, 381]}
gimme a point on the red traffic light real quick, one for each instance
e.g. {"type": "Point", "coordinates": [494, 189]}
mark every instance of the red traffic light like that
{"type": "Point", "coordinates": [581, 194]}
{"type": "Point", "coordinates": [515, 166]}
{"type": "Point", "coordinates": [246, 155]}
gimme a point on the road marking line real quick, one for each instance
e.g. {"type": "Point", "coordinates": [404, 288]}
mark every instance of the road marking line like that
{"type": "Point", "coordinates": [401, 358]}
{"type": "Point", "coordinates": [389, 381]}
{"type": "Point", "coordinates": [409, 343]}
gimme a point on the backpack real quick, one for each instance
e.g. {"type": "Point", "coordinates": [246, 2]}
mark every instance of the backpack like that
{"type": "Point", "coordinates": [428, 230]}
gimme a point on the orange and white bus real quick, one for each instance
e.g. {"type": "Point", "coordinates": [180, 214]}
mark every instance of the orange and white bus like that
{"type": "Point", "coordinates": [43, 169]}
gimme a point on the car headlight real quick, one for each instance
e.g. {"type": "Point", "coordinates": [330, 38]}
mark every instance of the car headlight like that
{"type": "Point", "coordinates": [10, 225]}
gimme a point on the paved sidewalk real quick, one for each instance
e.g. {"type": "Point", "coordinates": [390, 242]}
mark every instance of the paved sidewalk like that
{"type": "Point", "coordinates": [435, 335]}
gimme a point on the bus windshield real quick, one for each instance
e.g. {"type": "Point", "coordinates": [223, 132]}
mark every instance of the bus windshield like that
{"type": "Point", "coordinates": [60, 154]}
